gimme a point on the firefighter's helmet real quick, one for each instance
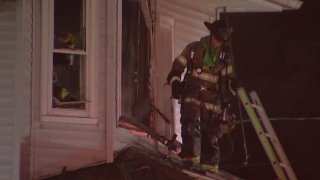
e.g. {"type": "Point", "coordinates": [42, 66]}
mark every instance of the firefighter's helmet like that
{"type": "Point", "coordinates": [218, 29]}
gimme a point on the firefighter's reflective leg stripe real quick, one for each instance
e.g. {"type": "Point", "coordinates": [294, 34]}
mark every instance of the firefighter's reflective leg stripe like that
{"type": "Point", "coordinates": [208, 106]}
{"type": "Point", "coordinates": [182, 60]}
{"type": "Point", "coordinates": [226, 71]}
{"type": "Point", "coordinates": [174, 78]}
{"type": "Point", "coordinates": [205, 76]}
{"type": "Point", "coordinates": [192, 100]}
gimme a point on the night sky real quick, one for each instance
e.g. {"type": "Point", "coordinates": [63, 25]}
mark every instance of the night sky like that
{"type": "Point", "coordinates": [278, 55]}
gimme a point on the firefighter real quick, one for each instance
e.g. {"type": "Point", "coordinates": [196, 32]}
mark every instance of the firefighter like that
{"type": "Point", "coordinates": [202, 95]}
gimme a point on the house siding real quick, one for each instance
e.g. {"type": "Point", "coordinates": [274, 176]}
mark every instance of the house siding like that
{"type": "Point", "coordinates": [23, 81]}
{"type": "Point", "coordinates": [188, 21]}
{"type": "Point", "coordinates": [7, 95]}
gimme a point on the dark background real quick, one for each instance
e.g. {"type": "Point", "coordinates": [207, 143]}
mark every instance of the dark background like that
{"type": "Point", "coordinates": [278, 55]}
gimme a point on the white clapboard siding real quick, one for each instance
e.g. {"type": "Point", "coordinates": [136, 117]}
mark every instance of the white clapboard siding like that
{"type": "Point", "coordinates": [23, 89]}
{"type": "Point", "coordinates": [58, 145]}
{"type": "Point", "coordinates": [70, 139]}
{"type": "Point", "coordinates": [7, 59]}
{"type": "Point", "coordinates": [188, 21]}
{"type": "Point", "coordinates": [70, 146]}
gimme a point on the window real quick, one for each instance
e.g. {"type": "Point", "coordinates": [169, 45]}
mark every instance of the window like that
{"type": "Point", "coordinates": [68, 61]}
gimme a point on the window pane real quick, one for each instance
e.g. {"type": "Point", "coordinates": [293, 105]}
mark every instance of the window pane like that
{"type": "Point", "coordinates": [69, 24]}
{"type": "Point", "coordinates": [68, 84]}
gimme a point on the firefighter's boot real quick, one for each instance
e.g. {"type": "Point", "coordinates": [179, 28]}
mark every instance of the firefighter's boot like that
{"type": "Point", "coordinates": [188, 162]}
{"type": "Point", "coordinates": [210, 168]}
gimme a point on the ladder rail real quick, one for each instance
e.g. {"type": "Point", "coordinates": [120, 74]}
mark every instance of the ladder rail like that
{"type": "Point", "coordinates": [273, 136]}
{"type": "Point", "coordinates": [261, 134]}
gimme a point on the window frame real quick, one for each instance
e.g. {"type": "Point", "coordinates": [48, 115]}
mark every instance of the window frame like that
{"type": "Point", "coordinates": [48, 113]}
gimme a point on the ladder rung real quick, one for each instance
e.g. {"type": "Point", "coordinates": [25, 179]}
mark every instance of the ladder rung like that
{"type": "Point", "coordinates": [255, 106]}
{"type": "Point", "coordinates": [268, 135]}
{"type": "Point", "coordinates": [283, 165]}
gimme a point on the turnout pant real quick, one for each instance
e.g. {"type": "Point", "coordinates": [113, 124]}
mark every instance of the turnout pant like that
{"type": "Point", "coordinates": [199, 132]}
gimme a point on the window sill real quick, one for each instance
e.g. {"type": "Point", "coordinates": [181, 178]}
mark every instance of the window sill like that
{"type": "Point", "coordinates": [70, 120]}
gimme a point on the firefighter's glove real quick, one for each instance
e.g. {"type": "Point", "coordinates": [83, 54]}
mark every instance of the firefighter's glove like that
{"type": "Point", "coordinates": [176, 88]}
